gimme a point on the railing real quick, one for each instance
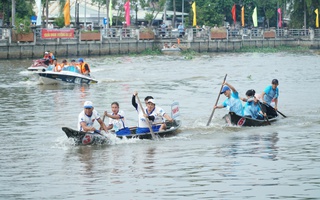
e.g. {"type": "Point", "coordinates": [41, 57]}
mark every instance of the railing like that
{"type": "Point", "coordinates": [120, 33]}
{"type": "Point", "coordinates": [317, 33]}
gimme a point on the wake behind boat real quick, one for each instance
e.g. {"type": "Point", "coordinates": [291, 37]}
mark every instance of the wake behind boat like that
{"type": "Point", "coordinates": [69, 74]}
{"type": "Point", "coordinates": [85, 138]}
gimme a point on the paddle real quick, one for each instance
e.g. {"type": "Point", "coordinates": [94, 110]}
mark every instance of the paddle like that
{"type": "Point", "coordinates": [280, 113]}
{"type": "Point", "coordinates": [265, 117]}
{"type": "Point", "coordinates": [210, 118]}
{"type": "Point", "coordinates": [147, 119]}
{"type": "Point", "coordinates": [276, 110]}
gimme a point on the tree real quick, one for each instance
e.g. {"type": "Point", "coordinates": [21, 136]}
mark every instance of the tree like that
{"type": "Point", "coordinates": [302, 13]}
{"type": "Point", "coordinates": [156, 7]}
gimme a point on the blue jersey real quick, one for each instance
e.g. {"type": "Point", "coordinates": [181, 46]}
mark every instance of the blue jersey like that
{"type": "Point", "coordinates": [270, 94]}
{"type": "Point", "coordinates": [234, 104]}
{"type": "Point", "coordinates": [251, 109]}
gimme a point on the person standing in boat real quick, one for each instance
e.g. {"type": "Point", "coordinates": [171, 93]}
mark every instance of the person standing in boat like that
{"type": "Point", "coordinates": [117, 120]}
{"type": "Point", "coordinates": [155, 114]}
{"type": "Point", "coordinates": [270, 97]}
{"type": "Point", "coordinates": [271, 93]}
{"type": "Point", "coordinates": [87, 118]}
{"type": "Point", "coordinates": [84, 67]}
{"type": "Point", "coordinates": [233, 102]}
{"type": "Point", "coordinates": [252, 107]}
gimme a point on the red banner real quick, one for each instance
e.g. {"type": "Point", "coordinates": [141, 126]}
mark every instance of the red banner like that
{"type": "Point", "coordinates": [57, 33]}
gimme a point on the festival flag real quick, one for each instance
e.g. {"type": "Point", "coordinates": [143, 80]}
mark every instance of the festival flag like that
{"type": "Point", "coordinates": [66, 12]}
{"type": "Point", "coordinates": [317, 18]}
{"type": "Point", "coordinates": [110, 12]}
{"type": "Point", "coordinates": [38, 3]}
{"type": "Point", "coordinates": [127, 12]}
{"type": "Point", "coordinates": [233, 12]}
{"type": "Point", "coordinates": [242, 16]}
{"type": "Point", "coordinates": [255, 17]}
{"type": "Point", "coordinates": [194, 14]}
{"type": "Point", "coordinates": [279, 18]}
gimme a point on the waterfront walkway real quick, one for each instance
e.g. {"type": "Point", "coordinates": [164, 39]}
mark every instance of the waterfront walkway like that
{"type": "Point", "coordinates": [123, 41]}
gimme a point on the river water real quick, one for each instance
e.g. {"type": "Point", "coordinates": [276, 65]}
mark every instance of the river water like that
{"type": "Point", "coordinates": [280, 161]}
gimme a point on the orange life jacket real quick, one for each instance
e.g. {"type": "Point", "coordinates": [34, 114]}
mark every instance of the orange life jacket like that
{"type": "Point", "coordinates": [57, 68]}
{"type": "Point", "coordinates": [83, 69]}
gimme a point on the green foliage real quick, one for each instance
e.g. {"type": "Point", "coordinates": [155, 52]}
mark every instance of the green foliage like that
{"type": "Point", "coordinates": [149, 17]}
{"type": "Point", "coordinates": [297, 15]}
{"type": "Point", "coordinates": [281, 48]}
{"type": "Point", "coordinates": [151, 52]}
{"type": "Point", "coordinates": [93, 31]}
{"type": "Point", "coordinates": [146, 30]}
{"type": "Point", "coordinates": [189, 54]}
{"type": "Point", "coordinates": [23, 26]}
{"type": "Point", "coordinates": [24, 9]}
{"type": "Point", "coordinates": [59, 21]}
{"type": "Point", "coordinates": [156, 6]}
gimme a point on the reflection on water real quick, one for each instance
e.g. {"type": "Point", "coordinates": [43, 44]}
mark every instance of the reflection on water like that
{"type": "Point", "coordinates": [255, 144]}
{"type": "Point", "coordinates": [280, 161]}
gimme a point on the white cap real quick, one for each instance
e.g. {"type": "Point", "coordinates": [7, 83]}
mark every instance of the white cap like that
{"type": "Point", "coordinates": [88, 104]}
{"type": "Point", "coordinates": [46, 52]}
{"type": "Point", "coordinates": [151, 101]}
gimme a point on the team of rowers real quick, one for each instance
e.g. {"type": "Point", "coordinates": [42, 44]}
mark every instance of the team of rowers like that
{"type": "Point", "coordinates": [252, 107]}
{"type": "Point", "coordinates": [149, 114]}
{"type": "Point", "coordinates": [157, 116]}
{"type": "Point", "coordinates": [82, 67]}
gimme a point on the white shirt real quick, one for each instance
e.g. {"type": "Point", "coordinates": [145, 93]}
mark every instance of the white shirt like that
{"type": "Point", "coordinates": [157, 112]}
{"type": "Point", "coordinates": [118, 123]}
{"type": "Point", "coordinates": [89, 120]}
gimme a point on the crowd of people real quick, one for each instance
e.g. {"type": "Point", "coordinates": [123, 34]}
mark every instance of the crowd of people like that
{"type": "Point", "coordinates": [252, 107]}
{"type": "Point", "coordinates": [150, 113]}
{"type": "Point", "coordinates": [81, 66]}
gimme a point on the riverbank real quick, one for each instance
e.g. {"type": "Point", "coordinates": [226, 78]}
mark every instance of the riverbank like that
{"type": "Point", "coordinates": [128, 46]}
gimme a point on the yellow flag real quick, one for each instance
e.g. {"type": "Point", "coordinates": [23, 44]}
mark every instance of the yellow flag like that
{"type": "Point", "coordinates": [317, 17]}
{"type": "Point", "coordinates": [242, 16]}
{"type": "Point", "coordinates": [194, 14]}
{"type": "Point", "coordinates": [255, 17]}
{"type": "Point", "coordinates": [66, 12]}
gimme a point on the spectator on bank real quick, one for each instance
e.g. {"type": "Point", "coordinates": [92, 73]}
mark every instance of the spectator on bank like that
{"type": "Point", "coordinates": [163, 28]}
{"type": "Point", "coordinates": [50, 26]}
{"type": "Point", "coordinates": [181, 30]}
{"type": "Point", "coordinates": [142, 25]}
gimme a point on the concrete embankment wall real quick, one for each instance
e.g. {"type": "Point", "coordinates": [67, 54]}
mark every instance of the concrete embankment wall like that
{"type": "Point", "coordinates": [64, 50]}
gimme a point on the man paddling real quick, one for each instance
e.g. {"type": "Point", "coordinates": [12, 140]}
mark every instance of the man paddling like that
{"type": "Point", "coordinates": [269, 95]}
{"type": "Point", "coordinates": [87, 118]}
{"type": "Point", "coordinates": [232, 103]}
{"type": "Point", "coordinates": [154, 113]}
